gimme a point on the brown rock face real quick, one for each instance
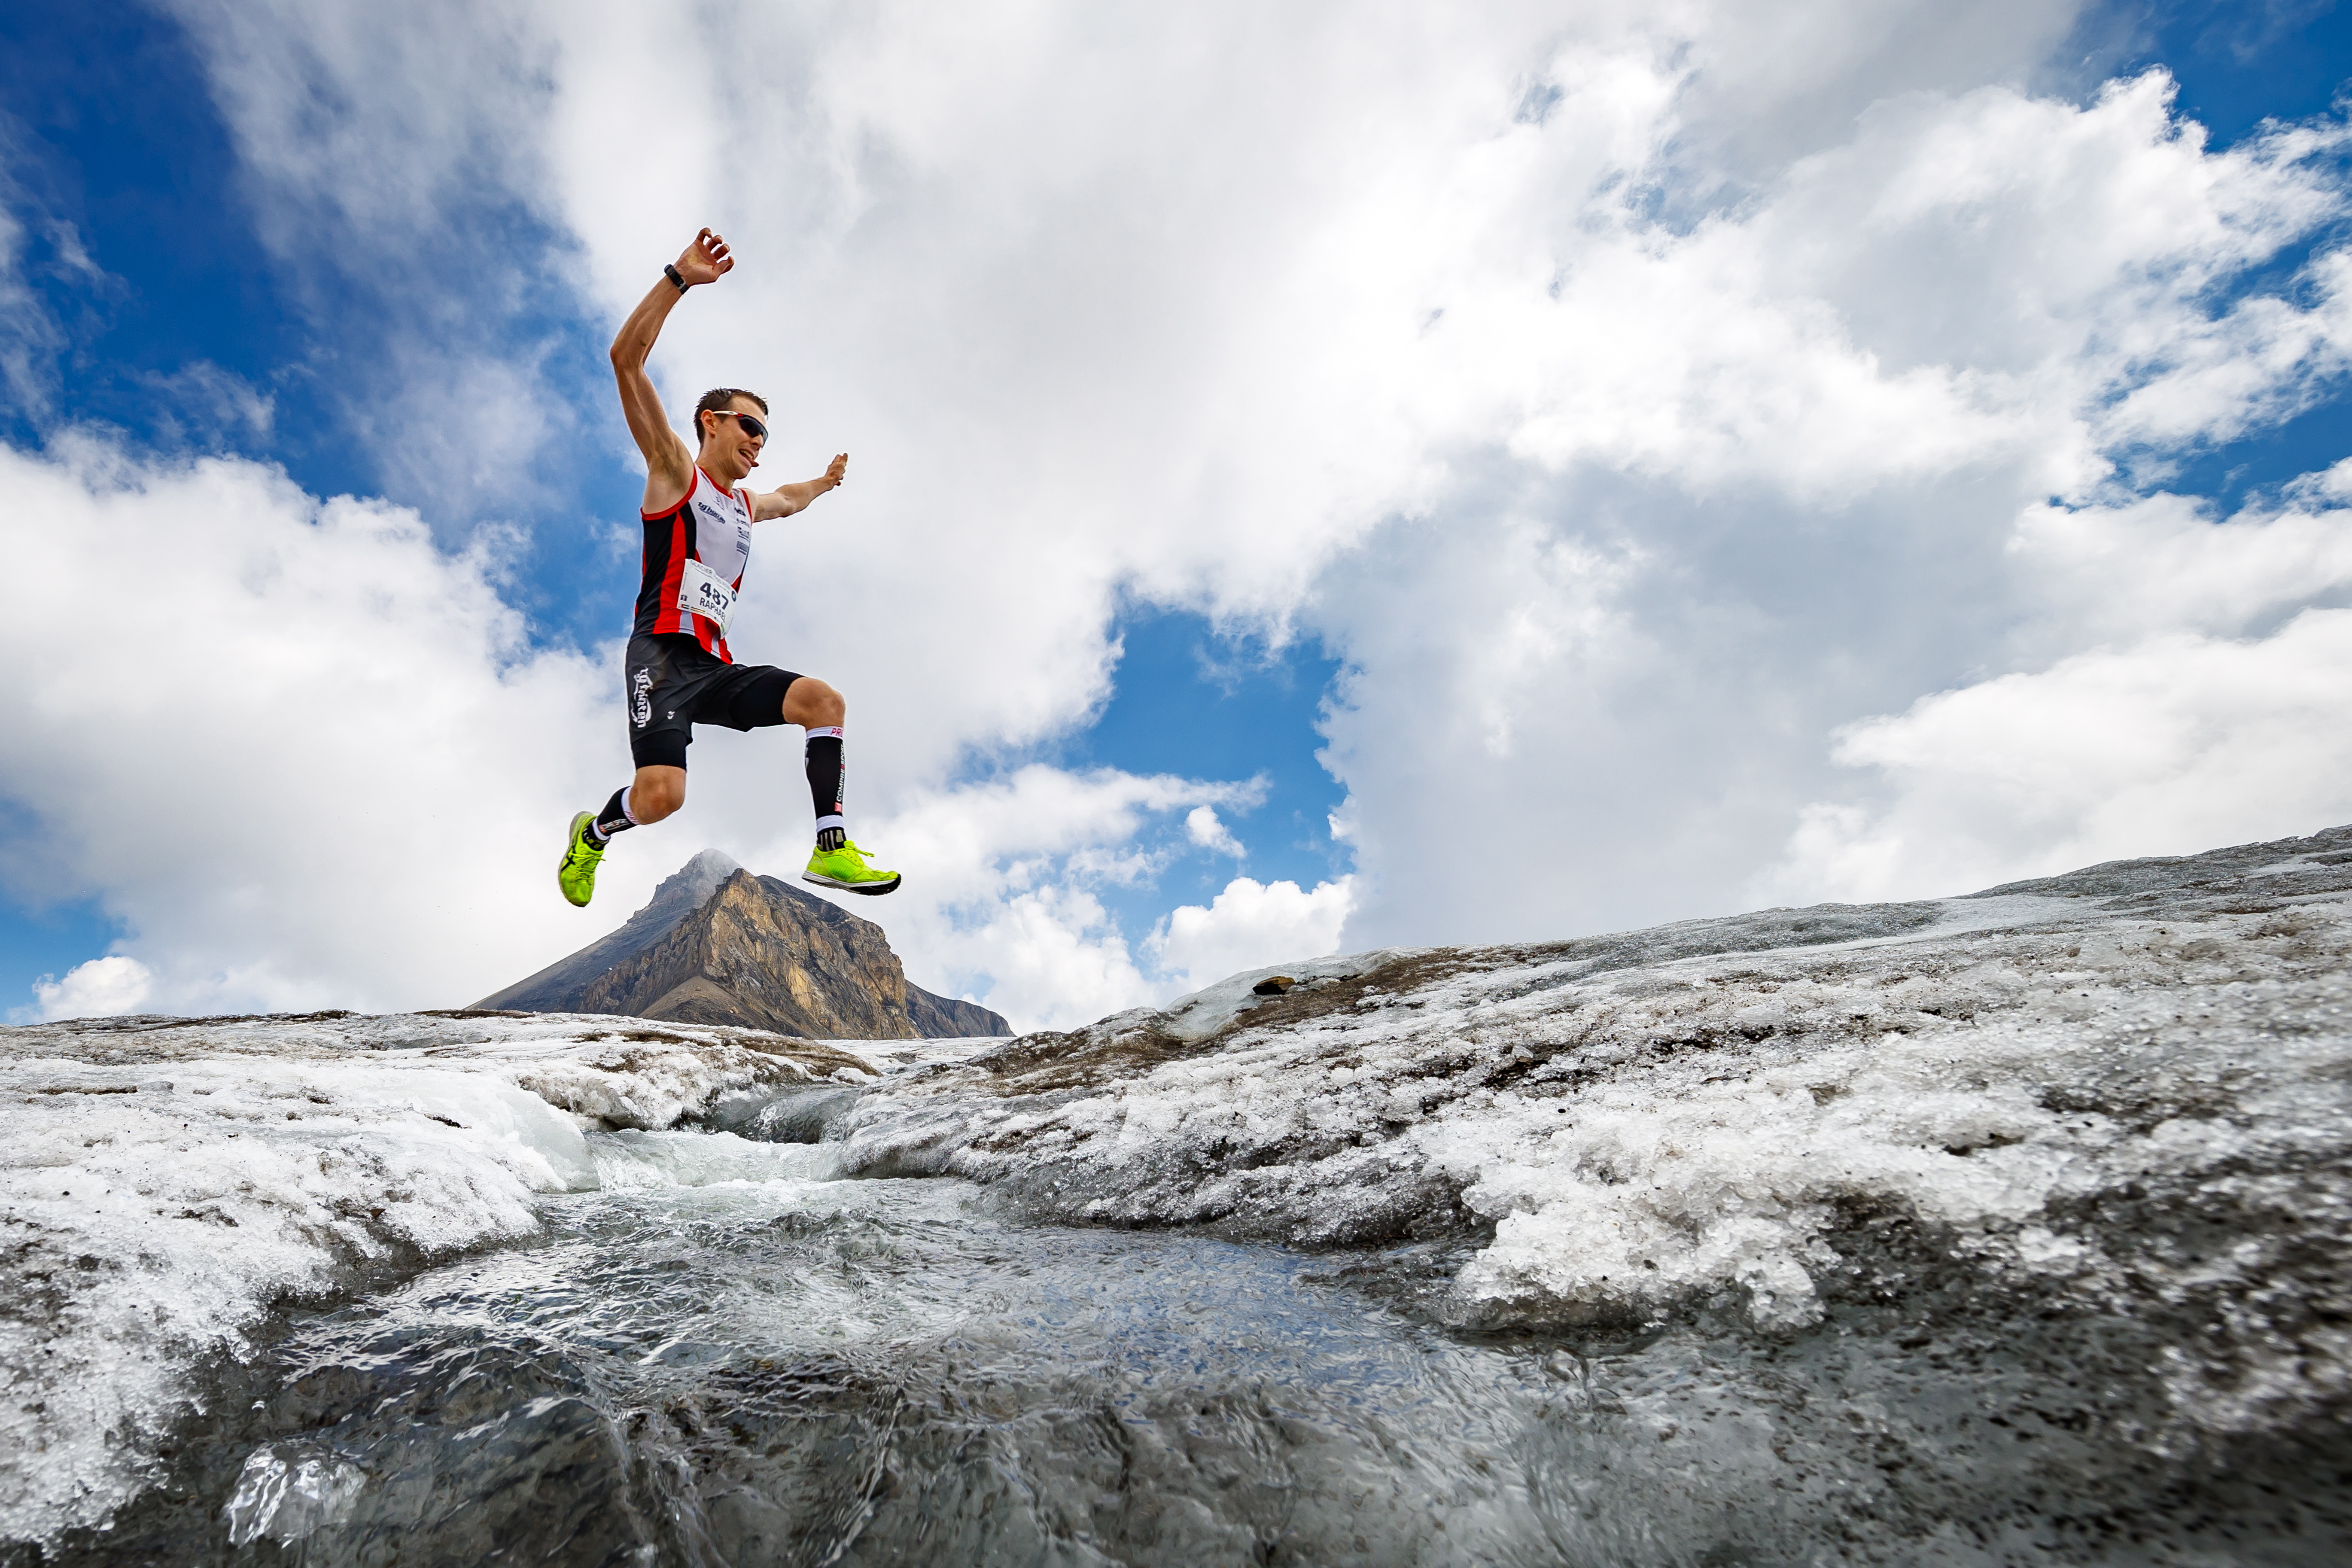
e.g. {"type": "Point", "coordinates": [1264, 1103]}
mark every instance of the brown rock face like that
{"type": "Point", "coordinates": [559, 987]}
{"type": "Point", "coordinates": [762, 953]}
{"type": "Point", "coordinates": [719, 945]}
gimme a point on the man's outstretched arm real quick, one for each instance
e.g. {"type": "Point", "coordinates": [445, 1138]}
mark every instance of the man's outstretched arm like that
{"type": "Point", "coordinates": [786, 499]}
{"type": "Point", "coordinates": [667, 458]}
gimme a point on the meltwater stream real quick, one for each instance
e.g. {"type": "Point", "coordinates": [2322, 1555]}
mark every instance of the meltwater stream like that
{"type": "Point", "coordinates": [775, 1367]}
{"type": "Point", "coordinates": [727, 1356]}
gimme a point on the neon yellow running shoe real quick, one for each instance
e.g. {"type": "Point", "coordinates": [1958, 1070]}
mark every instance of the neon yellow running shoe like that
{"type": "Point", "coordinates": [577, 873]}
{"type": "Point", "coordinates": [845, 869]}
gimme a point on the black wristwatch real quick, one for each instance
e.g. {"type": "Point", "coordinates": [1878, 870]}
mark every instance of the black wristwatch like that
{"type": "Point", "coordinates": [670, 271]}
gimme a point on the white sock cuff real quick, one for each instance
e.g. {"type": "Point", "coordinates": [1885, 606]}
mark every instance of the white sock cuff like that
{"type": "Point", "coordinates": [825, 821]}
{"type": "Point", "coordinates": [817, 731]}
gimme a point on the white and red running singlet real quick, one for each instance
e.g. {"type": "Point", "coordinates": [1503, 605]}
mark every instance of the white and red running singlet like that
{"type": "Point", "coordinates": [696, 552]}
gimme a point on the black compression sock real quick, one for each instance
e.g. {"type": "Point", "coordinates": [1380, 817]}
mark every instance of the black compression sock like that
{"type": "Point", "coordinates": [614, 818]}
{"type": "Point", "coordinates": [825, 769]}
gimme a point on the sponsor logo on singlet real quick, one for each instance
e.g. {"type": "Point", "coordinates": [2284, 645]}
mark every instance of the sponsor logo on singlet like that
{"type": "Point", "coordinates": [722, 530]}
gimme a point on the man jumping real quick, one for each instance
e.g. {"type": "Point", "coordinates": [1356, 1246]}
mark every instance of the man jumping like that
{"type": "Point", "coordinates": [697, 542]}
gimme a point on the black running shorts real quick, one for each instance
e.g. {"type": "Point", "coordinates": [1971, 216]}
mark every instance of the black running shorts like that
{"type": "Point", "coordinates": [673, 684]}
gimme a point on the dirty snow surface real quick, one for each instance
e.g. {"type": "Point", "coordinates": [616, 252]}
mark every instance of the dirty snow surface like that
{"type": "Point", "coordinates": [2001, 1228]}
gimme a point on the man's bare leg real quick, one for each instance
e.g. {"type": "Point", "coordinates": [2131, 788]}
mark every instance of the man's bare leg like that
{"type": "Point", "coordinates": [658, 792]}
{"type": "Point", "coordinates": [812, 704]}
{"type": "Point", "coordinates": [655, 793]}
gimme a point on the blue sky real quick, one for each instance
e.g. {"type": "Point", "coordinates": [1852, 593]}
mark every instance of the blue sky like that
{"type": "Point", "coordinates": [164, 298]}
{"type": "Point", "coordinates": [2237, 66]}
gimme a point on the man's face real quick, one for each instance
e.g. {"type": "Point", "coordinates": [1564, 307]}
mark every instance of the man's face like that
{"type": "Point", "coordinates": [730, 438]}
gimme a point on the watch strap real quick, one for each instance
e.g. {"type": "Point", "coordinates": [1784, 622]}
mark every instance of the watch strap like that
{"type": "Point", "coordinates": [670, 271]}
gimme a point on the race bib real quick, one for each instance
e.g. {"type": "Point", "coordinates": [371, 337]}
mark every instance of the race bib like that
{"type": "Point", "coordinates": [705, 593]}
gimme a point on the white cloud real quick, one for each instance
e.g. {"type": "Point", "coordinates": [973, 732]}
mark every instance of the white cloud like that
{"type": "Point", "coordinates": [2196, 719]}
{"type": "Point", "coordinates": [201, 405]}
{"type": "Point", "coordinates": [304, 755]}
{"type": "Point", "coordinates": [100, 988]}
{"type": "Point", "coordinates": [29, 341]}
{"type": "Point", "coordinates": [2165, 747]}
{"type": "Point", "coordinates": [2165, 564]}
{"type": "Point", "coordinates": [1248, 926]}
{"type": "Point", "coordinates": [1633, 398]}
{"type": "Point", "coordinates": [1205, 829]}
{"type": "Point", "coordinates": [1000, 900]}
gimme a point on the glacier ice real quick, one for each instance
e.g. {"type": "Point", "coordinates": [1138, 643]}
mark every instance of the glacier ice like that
{"type": "Point", "coordinates": [2120, 1098]}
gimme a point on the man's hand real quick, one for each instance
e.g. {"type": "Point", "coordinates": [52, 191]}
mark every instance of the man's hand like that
{"type": "Point", "coordinates": [705, 259]}
{"type": "Point", "coordinates": [786, 499]}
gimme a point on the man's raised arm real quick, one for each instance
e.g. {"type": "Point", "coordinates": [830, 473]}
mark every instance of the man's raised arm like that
{"type": "Point", "coordinates": [786, 499]}
{"type": "Point", "coordinates": [667, 458]}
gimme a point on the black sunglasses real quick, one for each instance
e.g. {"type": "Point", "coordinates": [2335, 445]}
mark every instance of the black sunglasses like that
{"type": "Point", "coordinates": [752, 427]}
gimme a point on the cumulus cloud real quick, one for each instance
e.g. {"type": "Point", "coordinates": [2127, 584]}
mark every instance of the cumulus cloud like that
{"type": "Point", "coordinates": [1248, 926]}
{"type": "Point", "coordinates": [1629, 669]}
{"type": "Point", "coordinates": [1001, 899]}
{"type": "Point", "coordinates": [1656, 409]}
{"type": "Point", "coordinates": [100, 988]}
{"type": "Point", "coordinates": [305, 755]}
{"type": "Point", "coordinates": [2210, 709]}
{"type": "Point", "coordinates": [1205, 829]}
{"type": "Point", "coordinates": [2159, 748]}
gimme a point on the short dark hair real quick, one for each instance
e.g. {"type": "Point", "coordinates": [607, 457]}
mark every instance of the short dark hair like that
{"type": "Point", "coordinates": [715, 401]}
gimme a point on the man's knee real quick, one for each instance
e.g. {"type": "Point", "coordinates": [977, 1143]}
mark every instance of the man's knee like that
{"type": "Point", "coordinates": [657, 792]}
{"type": "Point", "coordinates": [810, 701]}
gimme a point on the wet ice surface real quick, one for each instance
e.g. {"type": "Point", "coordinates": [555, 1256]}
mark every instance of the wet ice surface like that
{"type": "Point", "coordinates": [784, 1371]}
{"type": "Point", "coordinates": [1999, 1229]}
{"type": "Point", "coordinates": [778, 1366]}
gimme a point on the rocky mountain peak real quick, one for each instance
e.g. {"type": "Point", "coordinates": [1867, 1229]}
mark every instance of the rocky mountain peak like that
{"type": "Point", "coordinates": [705, 870]}
{"type": "Point", "coordinates": [719, 944]}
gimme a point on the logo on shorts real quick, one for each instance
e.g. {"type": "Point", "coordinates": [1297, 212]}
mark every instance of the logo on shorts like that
{"type": "Point", "coordinates": [643, 709]}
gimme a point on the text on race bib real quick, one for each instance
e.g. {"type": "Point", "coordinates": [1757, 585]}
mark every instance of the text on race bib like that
{"type": "Point", "coordinates": [705, 593]}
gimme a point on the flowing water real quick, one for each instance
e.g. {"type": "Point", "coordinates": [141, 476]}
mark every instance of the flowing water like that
{"type": "Point", "coordinates": [728, 1355]}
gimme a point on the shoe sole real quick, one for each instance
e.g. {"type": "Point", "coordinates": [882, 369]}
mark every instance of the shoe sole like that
{"type": "Point", "coordinates": [870, 889]}
{"type": "Point", "coordinates": [566, 859]}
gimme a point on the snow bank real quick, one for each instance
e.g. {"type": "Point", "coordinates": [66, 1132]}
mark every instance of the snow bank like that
{"type": "Point", "coordinates": [163, 1183]}
{"type": "Point", "coordinates": [1629, 1126]}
